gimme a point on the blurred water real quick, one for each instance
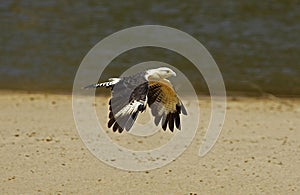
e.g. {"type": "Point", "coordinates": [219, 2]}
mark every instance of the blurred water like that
{"type": "Point", "coordinates": [255, 43]}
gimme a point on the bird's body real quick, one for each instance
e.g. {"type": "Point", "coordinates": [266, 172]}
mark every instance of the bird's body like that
{"type": "Point", "coordinates": [132, 94]}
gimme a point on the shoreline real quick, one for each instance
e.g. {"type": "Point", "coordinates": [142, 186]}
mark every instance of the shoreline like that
{"type": "Point", "coordinates": [257, 151]}
{"type": "Point", "coordinates": [232, 96]}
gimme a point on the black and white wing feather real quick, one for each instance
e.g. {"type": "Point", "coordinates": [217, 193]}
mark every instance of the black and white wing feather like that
{"type": "Point", "coordinates": [165, 105]}
{"type": "Point", "coordinates": [129, 97]}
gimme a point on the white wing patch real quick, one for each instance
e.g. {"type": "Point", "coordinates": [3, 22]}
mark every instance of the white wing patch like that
{"type": "Point", "coordinates": [129, 109]}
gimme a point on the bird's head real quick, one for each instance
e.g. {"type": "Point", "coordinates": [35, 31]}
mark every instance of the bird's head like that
{"type": "Point", "coordinates": [160, 73]}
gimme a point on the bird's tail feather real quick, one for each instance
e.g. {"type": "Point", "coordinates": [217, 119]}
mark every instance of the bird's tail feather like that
{"type": "Point", "coordinates": [109, 83]}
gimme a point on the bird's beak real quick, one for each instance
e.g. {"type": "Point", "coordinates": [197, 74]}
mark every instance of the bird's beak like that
{"type": "Point", "coordinates": [173, 73]}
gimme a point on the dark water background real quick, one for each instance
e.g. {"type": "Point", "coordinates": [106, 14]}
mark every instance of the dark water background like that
{"type": "Point", "coordinates": [255, 43]}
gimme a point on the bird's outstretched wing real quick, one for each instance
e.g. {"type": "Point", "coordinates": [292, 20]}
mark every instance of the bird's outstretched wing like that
{"type": "Point", "coordinates": [129, 97]}
{"type": "Point", "coordinates": [165, 104]}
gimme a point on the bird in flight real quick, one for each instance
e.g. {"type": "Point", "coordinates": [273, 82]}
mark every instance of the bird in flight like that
{"type": "Point", "coordinates": [131, 95]}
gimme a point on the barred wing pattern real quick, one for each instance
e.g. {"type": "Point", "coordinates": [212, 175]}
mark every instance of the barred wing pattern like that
{"type": "Point", "coordinates": [165, 105]}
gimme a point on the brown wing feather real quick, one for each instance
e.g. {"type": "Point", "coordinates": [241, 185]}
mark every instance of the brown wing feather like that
{"type": "Point", "coordinates": [165, 104]}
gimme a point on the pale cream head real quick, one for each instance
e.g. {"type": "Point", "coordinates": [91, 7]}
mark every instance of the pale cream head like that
{"type": "Point", "coordinates": [159, 73]}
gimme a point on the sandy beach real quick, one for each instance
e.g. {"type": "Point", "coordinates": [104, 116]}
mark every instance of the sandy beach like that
{"type": "Point", "coordinates": [256, 153]}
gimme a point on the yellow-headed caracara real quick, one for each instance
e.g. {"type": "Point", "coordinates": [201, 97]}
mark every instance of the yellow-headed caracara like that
{"type": "Point", "coordinates": [130, 95]}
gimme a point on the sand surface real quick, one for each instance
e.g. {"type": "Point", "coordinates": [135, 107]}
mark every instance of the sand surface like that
{"type": "Point", "coordinates": [258, 151]}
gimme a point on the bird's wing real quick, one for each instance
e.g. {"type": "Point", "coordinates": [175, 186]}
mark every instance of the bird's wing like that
{"type": "Point", "coordinates": [129, 97]}
{"type": "Point", "coordinates": [165, 104]}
